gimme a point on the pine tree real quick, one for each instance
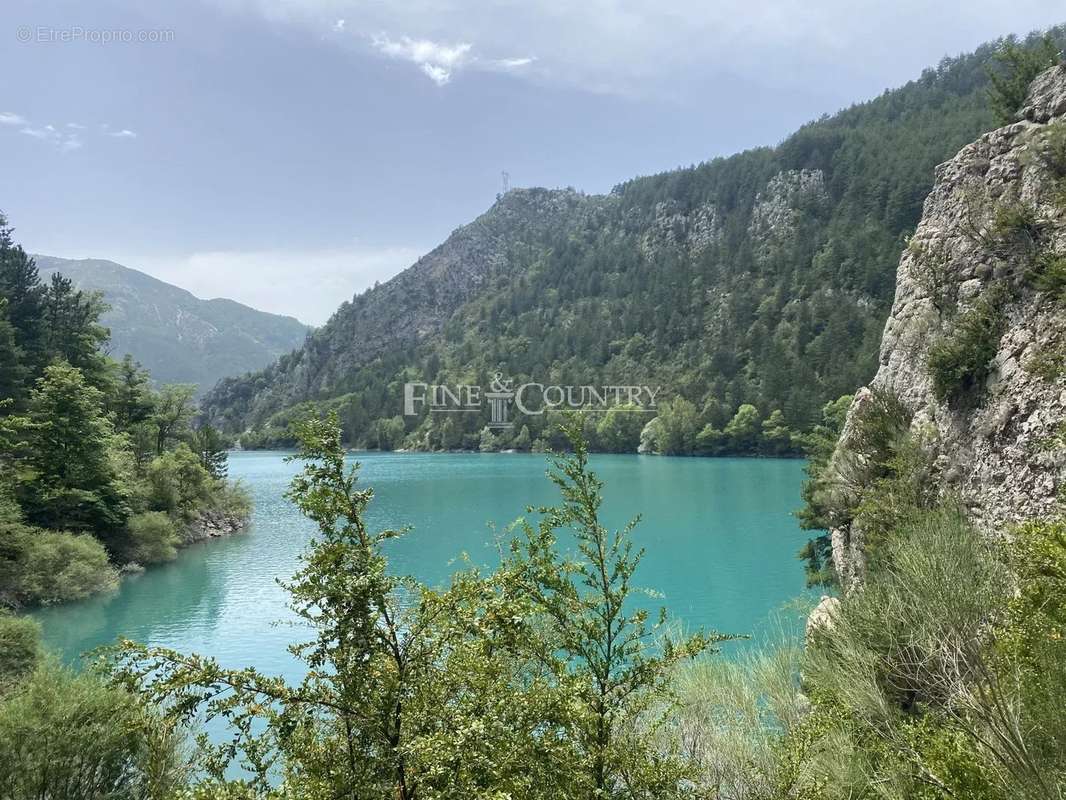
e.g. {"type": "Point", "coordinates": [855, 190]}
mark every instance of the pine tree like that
{"type": "Point", "coordinates": [69, 479]}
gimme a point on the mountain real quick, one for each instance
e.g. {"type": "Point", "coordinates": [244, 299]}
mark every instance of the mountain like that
{"type": "Point", "coordinates": [177, 336]}
{"type": "Point", "coordinates": [969, 400]}
{"type": "Point", "coordinates": [764, 278]}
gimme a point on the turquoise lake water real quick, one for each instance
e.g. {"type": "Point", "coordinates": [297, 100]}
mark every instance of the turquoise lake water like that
{"type": "Point", "coordinates": [719, 535]}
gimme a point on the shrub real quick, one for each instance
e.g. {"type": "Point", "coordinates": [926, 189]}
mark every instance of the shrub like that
{"type": "Point", "coordinates": [153, 538]}
{"type": "Point", "coordinates": [72, 737]}
{"type": "Point", "coordinates": [1049, 275]}
{"type": "Point", "coordinates": [733, 718]}
{"type": "Point", "coordinates": [1050, 149]}
{"type": "Point", "coordinates": [39, 567]}
{"type": "Point", "coordinates": [1016, 228]}
{"type": "Point", "coordinates": [961, 359]}
{"type": "Point", "coordinates": [231, 499]}
{"type": "Point", "coordinates": [20, 647]}
{"type": "Point", "coordinates": [1049, 362]}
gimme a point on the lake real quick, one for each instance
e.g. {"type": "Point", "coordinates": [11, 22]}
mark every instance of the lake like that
{"type": "Point", "coordinates": [719, 535]}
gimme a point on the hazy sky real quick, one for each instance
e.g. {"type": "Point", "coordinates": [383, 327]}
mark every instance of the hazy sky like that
{"type": "Point", "coordinates": [287, 153]}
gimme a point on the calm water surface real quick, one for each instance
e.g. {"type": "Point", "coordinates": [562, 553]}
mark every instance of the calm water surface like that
{"type": "Point", "coordinates": [719, 536]}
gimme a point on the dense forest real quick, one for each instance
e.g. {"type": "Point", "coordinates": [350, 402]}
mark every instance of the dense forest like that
{"type": "Point", "coordinates": [99, 471]}
{"type": "Point", "coordinates": [753, 289]}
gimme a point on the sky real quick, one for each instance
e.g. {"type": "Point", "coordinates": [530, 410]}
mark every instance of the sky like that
{"type": "Point", "coordinates": [290, 153]}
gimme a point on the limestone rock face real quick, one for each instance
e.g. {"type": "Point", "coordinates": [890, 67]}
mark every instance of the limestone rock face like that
{"type": "Point", "coordinates": [777, 207]}
{"type": "Point", "coordinates": [823, 615]}
{"type": "Point", "coordinates": [1003, 454]}
{"type": "Point", "coordinates": [672, 228]}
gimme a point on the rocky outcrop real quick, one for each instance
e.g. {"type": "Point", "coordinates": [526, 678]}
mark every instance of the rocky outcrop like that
{"type": "Point", "coordinates": [213, 525]}
{"type": "Point", "coordinates": [1001, 450]}
{"type": "Point", "coordinates": [778, 207]}
{"type": "Point", "coordinates": [406, 310]}
{"type": "Point", "coordinates": [674, 229]}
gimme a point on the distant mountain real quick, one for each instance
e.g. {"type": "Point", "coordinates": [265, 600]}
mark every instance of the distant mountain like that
{"type": "Point", "coordinates": [177, 336]}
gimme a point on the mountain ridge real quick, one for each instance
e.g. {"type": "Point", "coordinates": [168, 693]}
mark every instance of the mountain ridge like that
{"type": "Point", "coordinates": [762, 278]}
{"type": "Point", "coordinates": [178, 336]}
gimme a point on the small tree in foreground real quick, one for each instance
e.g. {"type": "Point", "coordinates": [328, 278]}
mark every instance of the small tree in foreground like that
{"type": "Point", "coordinates": [616, 665]}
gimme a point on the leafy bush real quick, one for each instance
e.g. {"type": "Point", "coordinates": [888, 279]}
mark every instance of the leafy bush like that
{"type": "Point", "coordinates": [961, 358]}
{"type": "Point", "coordinates": [153, 538]}
{"type": "Point", "coordinates": [39, 567]}
{"type": "Point", "coordinates": [20, 647]}
{"type": "Point", "coordinates": [72, 737]}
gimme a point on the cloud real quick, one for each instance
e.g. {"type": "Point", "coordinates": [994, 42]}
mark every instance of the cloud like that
{"type": "Point", "coordinates": [66, 139]}
{"type": "Point", "coordinates": [650, 48]}
{"type": "Point", "coordinates": [512, 63]}
{"type": "Point", "coordinates": [437, 60]}
{"type": "Point", "coordinates": [267, 280]}
{"type": "Point", "coordinates": [338, 26]}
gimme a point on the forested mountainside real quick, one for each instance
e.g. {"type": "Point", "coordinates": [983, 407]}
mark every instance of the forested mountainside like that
{"type": "Point", "coordinates": [178, 337]}
{"type": "Point", "coordinates": [764, 278]}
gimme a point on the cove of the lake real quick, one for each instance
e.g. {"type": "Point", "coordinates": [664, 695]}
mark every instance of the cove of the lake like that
{"type": "Point", "coordinates": [719, 535]}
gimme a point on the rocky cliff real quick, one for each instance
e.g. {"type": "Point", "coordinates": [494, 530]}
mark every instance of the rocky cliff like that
{"type": "Point", "coordinates": [975, 346]}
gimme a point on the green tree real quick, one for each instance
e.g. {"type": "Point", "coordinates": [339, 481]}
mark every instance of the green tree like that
{"type": "Point", "coordinates": [522, 442]}
{"type": "Point", "coordinates": [153, 538]}
{"type": "Point", "coordinates": [39, 567]}
{"type": "Point", "coordinates": [1015, 66]}
{"type": "Point", "coordinates": [131, 401]}
{"type": "Point", "coordinates": [679, 421]}
{"type": "Point", "coordinates": [12, 370]}
{"type": "Point", "coordinates": [710, 441]}
{"type": "Point", "coordinates": [619, 430]}
{"type": "Point", "coordinates": [408, 693]}
{"type": "Point", "coordinates": [211, 448]}
{"type": "Point", "coordinates": [776, 435]}
{"type": "Point", "coordinates": [489, 442]}
{"type": "Point", "coordinates": [742, 432]}
{"type": "Point", "coordinates": [178, 484]}
{"type": "Point", "coordinates": [72, 330]}
{"type": "Point", "coordinates": [387, 434]}
{"type": "Point", "coordinates": [69, 477]}
{"type": "Point", "coordinates": [173, 410]}
{"type": "Point", "coordinates": [597, 642]}
{"type": "Point", "coordinates": [20, 286]}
